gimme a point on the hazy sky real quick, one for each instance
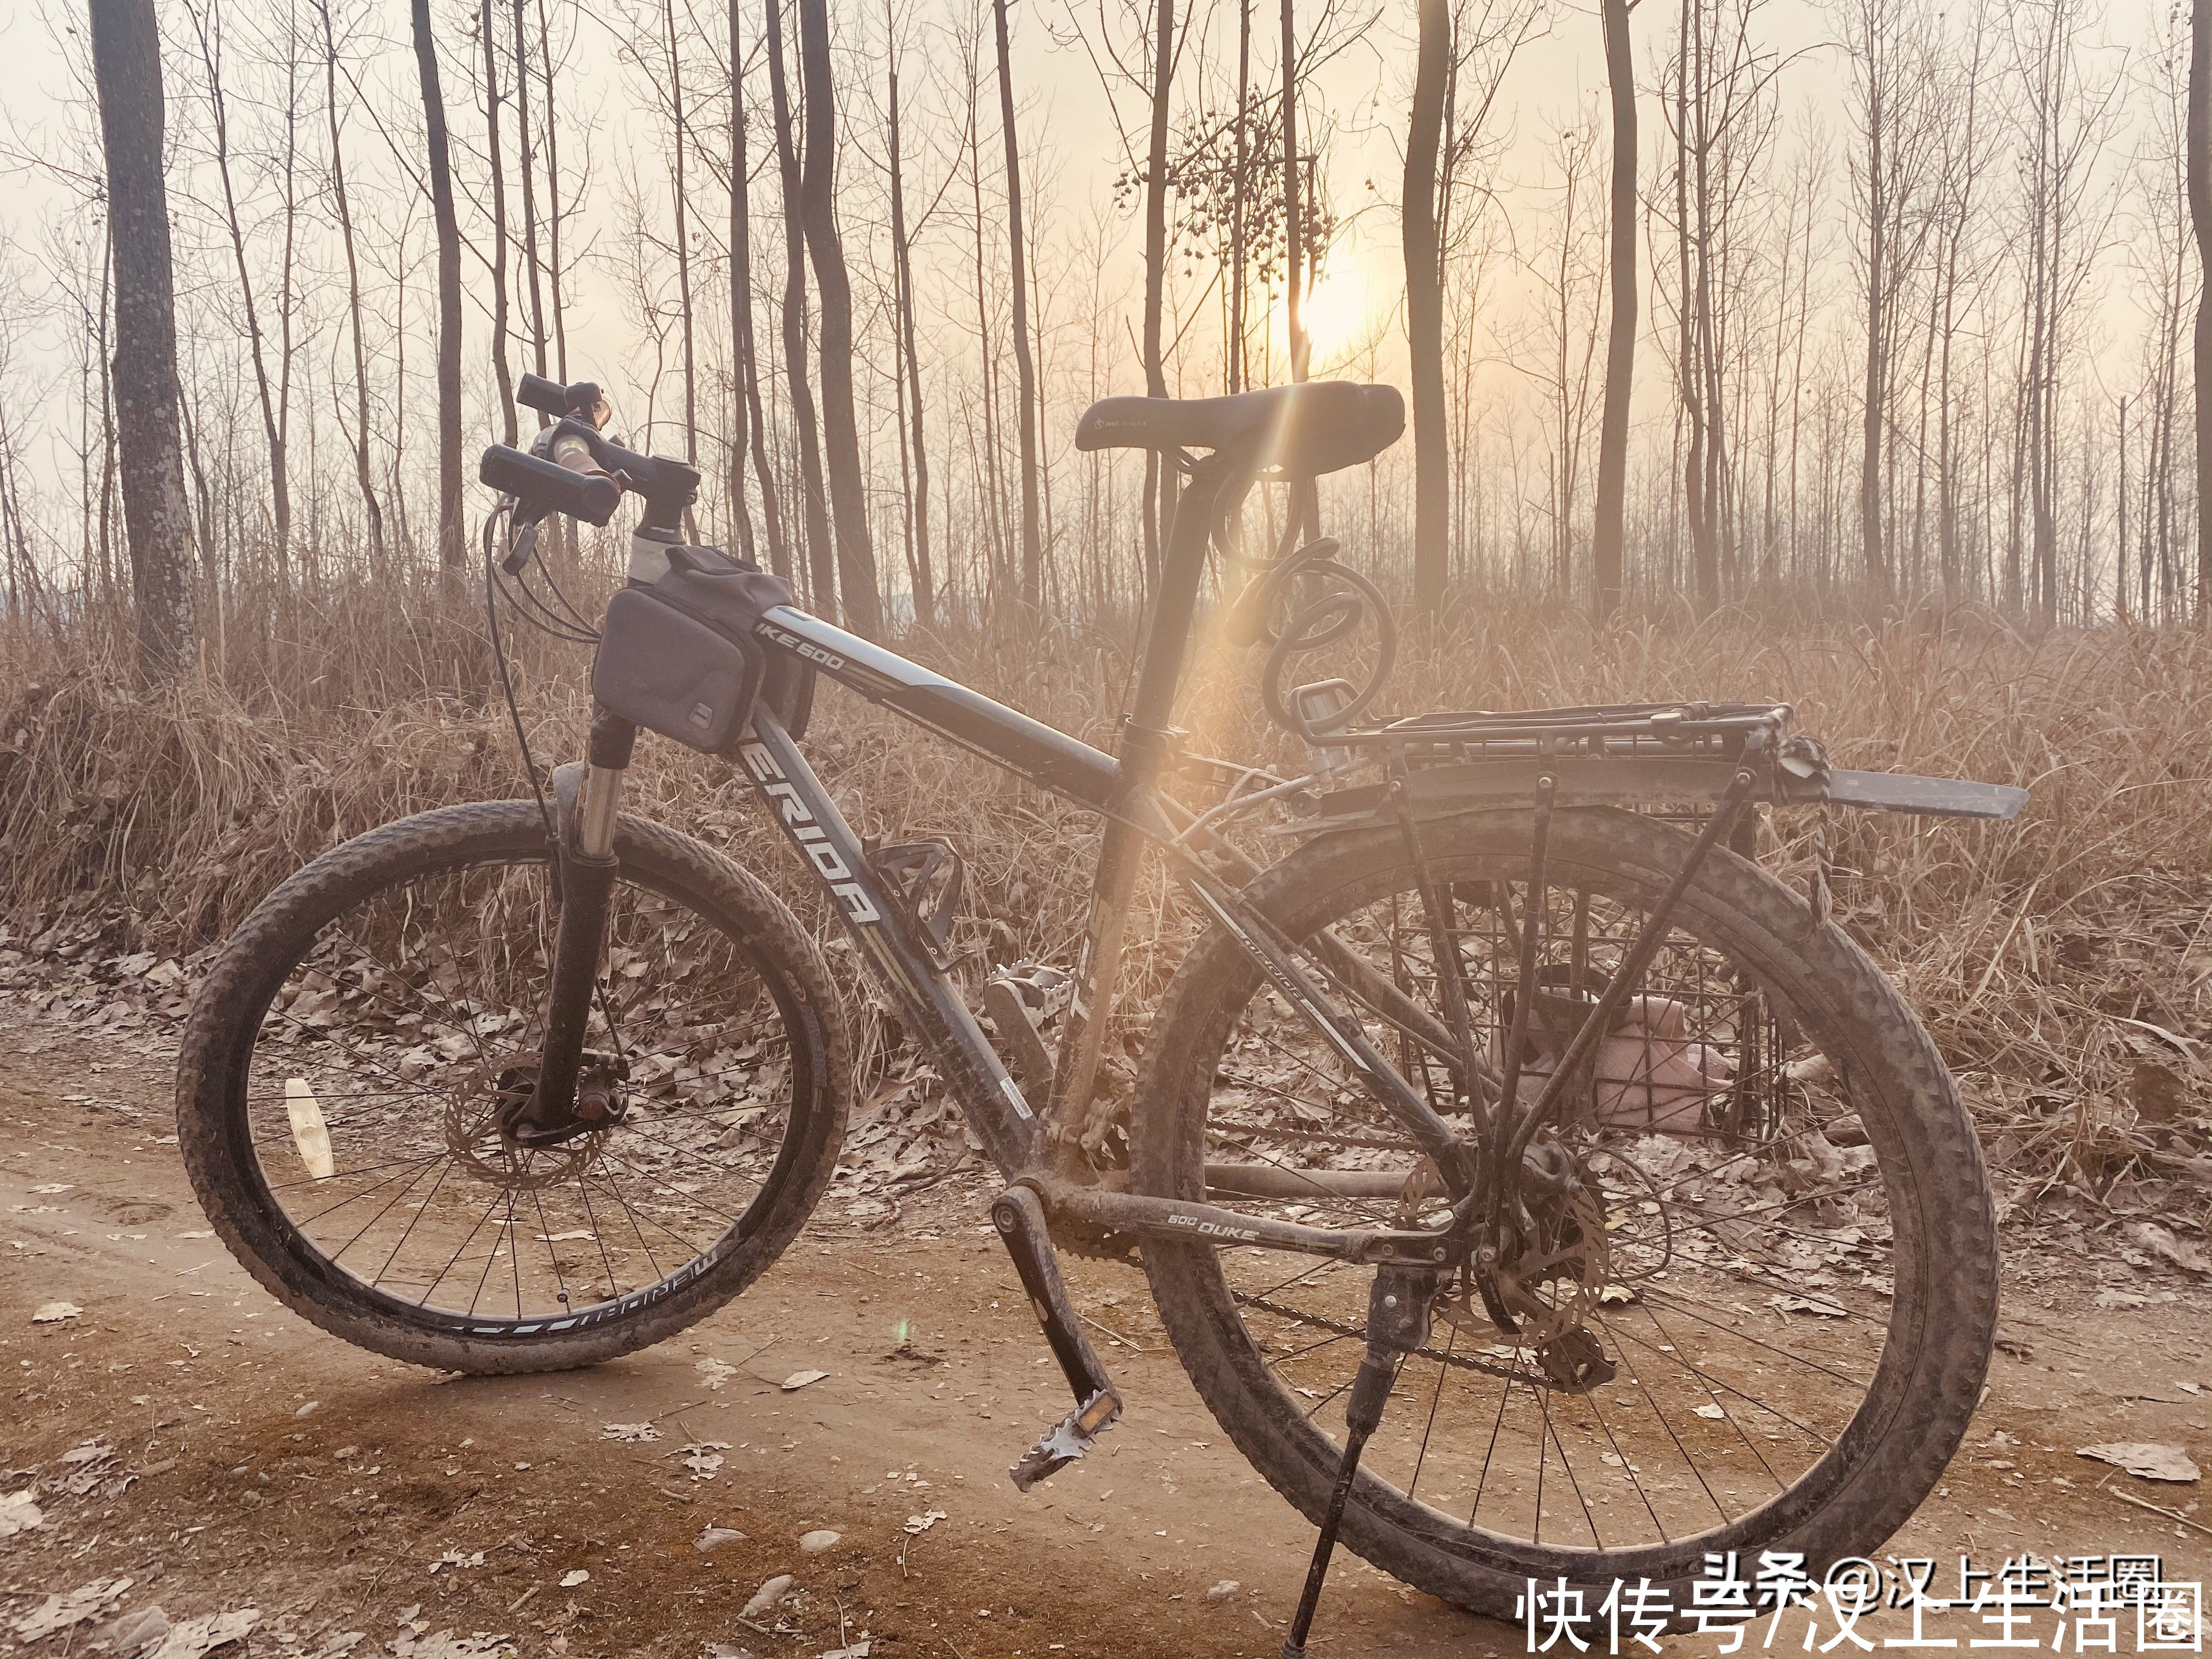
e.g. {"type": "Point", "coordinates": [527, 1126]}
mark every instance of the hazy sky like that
{"type": "Point", "coordinates": [1074, 154]}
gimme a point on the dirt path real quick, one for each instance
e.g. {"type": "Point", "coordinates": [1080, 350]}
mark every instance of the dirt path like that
{"type": "Point", "coordinates": [242, 1459]}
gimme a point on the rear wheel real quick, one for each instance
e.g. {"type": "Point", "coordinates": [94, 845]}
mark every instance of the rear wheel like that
{"type": "Point", "coordinates": [345, 1068]}
{"type": "Point", "coordinates": [1771, 1230]}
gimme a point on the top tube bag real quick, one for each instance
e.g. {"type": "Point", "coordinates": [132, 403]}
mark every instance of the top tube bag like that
{"type": "Point", "coordinates": [680, 656]}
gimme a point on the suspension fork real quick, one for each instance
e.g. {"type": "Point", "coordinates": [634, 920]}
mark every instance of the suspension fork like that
{"type": "Point", "coordinates": [586, 866]}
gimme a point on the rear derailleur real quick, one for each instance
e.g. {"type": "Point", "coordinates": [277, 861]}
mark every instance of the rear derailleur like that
{"type": "Point", "coordinates": [1539, 1279]}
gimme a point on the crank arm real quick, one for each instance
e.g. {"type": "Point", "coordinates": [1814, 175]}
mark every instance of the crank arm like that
{"type": "Point", "coordinates": [1020, 1220]}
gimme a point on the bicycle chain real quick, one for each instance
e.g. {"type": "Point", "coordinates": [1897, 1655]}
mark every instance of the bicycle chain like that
{"type": "Point", "coordinates": [1488, 1368]}
{"type": "Point", "coordinates": [1272, 1132]}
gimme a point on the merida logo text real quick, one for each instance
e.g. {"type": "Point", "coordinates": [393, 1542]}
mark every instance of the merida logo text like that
{"type": "Point", "coordinates": [812, 839]}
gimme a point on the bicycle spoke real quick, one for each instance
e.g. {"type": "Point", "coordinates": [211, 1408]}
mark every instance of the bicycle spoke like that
{"type": "Point", "coordinates": [429, 1013]}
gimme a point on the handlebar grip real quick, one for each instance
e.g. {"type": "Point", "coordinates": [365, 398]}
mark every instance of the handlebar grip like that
{"type": "Point", "coordinates": [549, 486]}
{"type": "Point", "coordinates": [547, 396]}
{"type": "Point", "coordinates": [551, 398]}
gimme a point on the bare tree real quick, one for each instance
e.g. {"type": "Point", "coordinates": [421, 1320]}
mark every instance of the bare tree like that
{"type": "Point", "coordinates": [502, 372]}
{"type": "Point", "coordinates": [208, 31]}
{"type": "Point", "coordinates": [2200, 218]}
{"type": "Point", "coordinates": [126, 50]}
{"type": "Point", "coordinates": [1895, 111]}
{"type": "Point", "coordinates": [1159, 485]}
{"type": "Point", "coordinates": [922, 576]}
{"type": "Point", "coordinates": [821, 555]}
{"type": "Point", "coordinates": [1424, 305]}
{"type": "Point", "coordinates": [371, 509]}
{"type": "Point", "coordinates": [526, 168]}
{"type": "Point", "coordinates": [1606, 533]}
{"type": "Point", "coordinates": [752, 426]}
{"type": "Point", "coordinates": [841, 439]}
{"type": "Point", "coordinates": [452, 547]}
{"type": "Point", "coordinates": [1024, 362]}
{"type": "Point", "coordinates": [679, 143]}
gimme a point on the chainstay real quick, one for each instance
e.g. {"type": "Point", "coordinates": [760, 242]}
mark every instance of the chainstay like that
{"type": "Point", "coordinates": [1463, 1361]}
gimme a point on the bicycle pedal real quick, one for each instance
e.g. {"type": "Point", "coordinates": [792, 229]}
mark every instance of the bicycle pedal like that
{"type": "Point", "coordinates": [1077, 1433]}
{"type": "Point", "coordinates": [1017, 1032]}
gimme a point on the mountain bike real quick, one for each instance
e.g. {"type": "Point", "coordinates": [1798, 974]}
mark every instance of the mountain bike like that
{"type": "Point", "coordinates": [1533, 1187]}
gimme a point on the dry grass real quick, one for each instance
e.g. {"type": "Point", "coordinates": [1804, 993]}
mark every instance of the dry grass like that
{"type": "Point", "coordinates": [2064, 962]}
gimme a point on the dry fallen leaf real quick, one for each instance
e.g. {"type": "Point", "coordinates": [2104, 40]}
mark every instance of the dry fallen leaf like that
{"type": "Point", "coordinates": [2147, 1460]}
{"type": "Point", "coordinates": [1807, 1304]}
{"type": "Point", "coordinates": [1709, 1411]}
{"type": "Point", "coordinates": [18, 1513]}
{"type": "Point", "coordinates": [2161, 1243]}
{"type": "Point", "coordinates": [628, 1431]}
{"type": "Point", "coordinates": [60, 1612]}
{"type": "Point", "coordinates": [800, 1379]}
{"type": "Point", "coordinates": [52, 1313]}
{"type": "Point", "coordinates": [192, 1637]}
{"type": "Point", "coordinates": [765, 1598]}
{"type": "Point", "coordinates": [574, 1577]}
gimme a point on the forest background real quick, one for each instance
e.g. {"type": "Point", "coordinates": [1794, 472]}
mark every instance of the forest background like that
{"type": "Point", "coordinates": [1832, 352]}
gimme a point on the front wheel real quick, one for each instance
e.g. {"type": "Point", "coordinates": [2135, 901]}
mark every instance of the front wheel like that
{"type": "Point", "coordinates": [346, 1067]}
{"type": "Point", "coordinates": [1755, 1297]}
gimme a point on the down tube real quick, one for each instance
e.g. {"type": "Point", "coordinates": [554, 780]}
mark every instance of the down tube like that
{"type": "Point", "coordinates": [927, 1000]}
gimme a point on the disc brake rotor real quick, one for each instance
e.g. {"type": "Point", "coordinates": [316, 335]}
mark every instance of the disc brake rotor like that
{"type": "Point", "coordinates": [472, 1135]}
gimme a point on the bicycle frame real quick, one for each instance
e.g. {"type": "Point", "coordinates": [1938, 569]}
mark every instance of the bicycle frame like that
{"type": "Point", "coordinates": [1039, 1147]}
{"type": "Point", "coordinates": [1018, 1133]}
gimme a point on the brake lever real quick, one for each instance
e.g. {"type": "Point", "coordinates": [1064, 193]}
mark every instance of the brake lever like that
{"type": "Point", "coordinates": [520, 551]}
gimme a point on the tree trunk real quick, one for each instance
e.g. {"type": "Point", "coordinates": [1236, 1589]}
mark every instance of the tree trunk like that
{"type": "Point", "coordinates": [372, 509]}
{"type": "Point", "coordinates": [502, 372]}
{"type": "Point", "coordinates": [553, 201]}
{"type": "Point", "coordinates": [1305, 499]}
{"type": "Point", "coordinates": [1159, 484]}
{"type": "Point", "coordinates": [687, 319]}
{"type": "Point", "coordinates": [1239, 206]}
{"type": "Point", "coordinates": [746, 369]}
{"type": "Point", "coordinates": [1024, 362]}
{"type": "Point", "coordinates": [1606, 533]}
{"type": "Point", "coordinates": [2200, 220]}
{"type": "Point", "coordinates": [1424, 307]}
{"type": "Point", "coordinates": [126, 53]}
{"type": "Point", "coordinates": [841, 438]}
{"type": "Point", "coordinates": [451, 544]}
{"type": "Point", "coordinates": [209, 29]}
{"type": "Point", "coordinates": [527, 164]}
{"type": "Point", "coordinates": [821, 559]}
{"type": "Point", "coordinates": [924, 577]}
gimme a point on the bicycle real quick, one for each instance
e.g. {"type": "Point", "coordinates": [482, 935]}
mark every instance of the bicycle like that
{"type": "Point", "coordinates": [1605, 1154]}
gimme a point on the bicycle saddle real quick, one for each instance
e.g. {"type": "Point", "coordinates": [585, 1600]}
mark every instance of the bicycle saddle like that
{"type": "Point", "coordinates": [1302, 430]}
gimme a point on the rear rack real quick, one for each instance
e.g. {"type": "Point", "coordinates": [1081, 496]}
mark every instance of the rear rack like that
{"type": "Point", "coordinates": [1717, 731]}
{"type": "Point", "coordinates": [1676, 754]}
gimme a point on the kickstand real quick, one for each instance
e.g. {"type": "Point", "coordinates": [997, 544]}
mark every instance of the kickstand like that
{"type": "Point", "coordinates": [1397, 1324]}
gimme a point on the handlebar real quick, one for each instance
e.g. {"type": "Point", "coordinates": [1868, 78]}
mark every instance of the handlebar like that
{"type": "Point", "coordinates": [572, 468]}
